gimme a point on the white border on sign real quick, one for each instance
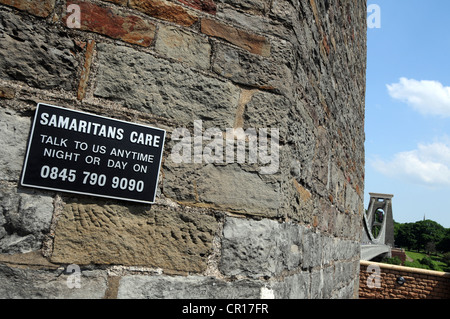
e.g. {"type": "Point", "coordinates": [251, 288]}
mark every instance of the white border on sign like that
{"type": "Point", "coordinates": [83, 193]}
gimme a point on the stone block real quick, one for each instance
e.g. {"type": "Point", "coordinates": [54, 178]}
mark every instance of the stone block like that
{"type": "Point", "coordinates": [25, 217]}
{"type": "Point", "coordinates": [165, 10]}
{"type": "Point", "coordinates": [190, 287]}
{"type": "Point", "coordinates": [7, 93]}
{"type": "Point", "coordinates": [207, 6]}
{"type": "Point", "coordinates": [146, 83]}
{"type": "Point", "coordinates": [19, 283]}
{"type": "Point", "coordinates": [121, 2]}
{"type": "Point", "coordinates": [343, 274]}
{"type": "Point", "coordinates": [261, 248]}
{"type": "Point", "coordinates": [267, 110]}
{"type": "Point", "coordinates": [36, 55]}
{"type": "Point", "coordinates": [86, 70]}
{"type": "Point", "coordinates": [14, 130]}
{"type": "Point", "coordinates": [41, 8]}
{"type": "Point", "coordinates": [255, 6]}
{"type": "Point", "coordinates": [88, 233]}
{"type": "Point", "coordinates": [284, 11]}
{"type": "Point", "coordinates": [251, 42]}
{"type": "Point", "coordinates": [322, 161]}
{"type": "Point", "coordinates": [312, 257]}
{"type": "Point", "coordinates": [186, 47]}
{"type": "Point", "coordinates": [232, 188]}
{"type": "Point", "coordinates": [226, 187]}
{"type": "Point", "coordinates": [112, 23]}
{"type": "Point", "coordinates": [251, 70]}
{"type": "Point", "coordinates": [296, 286]}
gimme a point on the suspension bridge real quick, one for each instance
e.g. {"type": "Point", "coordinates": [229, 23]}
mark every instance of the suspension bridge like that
{"type": "Point", "coordinates": [378, 227]}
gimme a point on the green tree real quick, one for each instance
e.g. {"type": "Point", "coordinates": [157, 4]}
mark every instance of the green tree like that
{"type": "Point", "coordinates": [428, 262]}
{"type": "Point", "coordinates": [405, 236]}
{"type": "Point", "coordinates": [430, 248]}
{"type": "Point", "coordinates": [446, 258]}
{"type": "Point", "coordinates": [428, 231]}
{"type": "Point", "coordinates": [444, 244]}
{"type": "Point", "coordinates": [425, 235]}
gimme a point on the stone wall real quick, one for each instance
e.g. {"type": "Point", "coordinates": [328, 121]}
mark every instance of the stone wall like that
{"type": "Point", "coordinates": [419, 283]}
{"type": "Point", "coordinates": [218, 229]}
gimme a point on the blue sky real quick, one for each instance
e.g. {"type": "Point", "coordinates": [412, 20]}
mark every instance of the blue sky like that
{"type": "Point", "coordinates": [408, 109]}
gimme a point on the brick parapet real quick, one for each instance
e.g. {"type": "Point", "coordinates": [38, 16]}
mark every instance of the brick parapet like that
{"type": "Point", "coordinates": [419, 283]}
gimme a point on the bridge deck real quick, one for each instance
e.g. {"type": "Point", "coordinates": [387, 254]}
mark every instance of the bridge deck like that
{"type": "Point", "coordinates": [370, 251]}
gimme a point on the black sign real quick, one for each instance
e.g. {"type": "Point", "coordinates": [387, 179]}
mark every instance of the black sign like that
{"type": "Point", "coordinates": [81, 153]}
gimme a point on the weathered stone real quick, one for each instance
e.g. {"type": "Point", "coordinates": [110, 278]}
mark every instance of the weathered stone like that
{"type": "Point", "coordinates": [146, 83]}
{"type": "Point", "coordinates": [112, 23]}
{"type": "Point", "coordinates": [191, 287]}
{"type": "Point", "coordinates": [187, 47]}
{"type": "Point", "coordinates": [284, 11]}
{"type": "Point", "coordinates": [322, 283]}
{"type": "Point", "coordinates": [352, 200]}
{"type": "Point", "coordinates": [312, 257]}
{"type": "Point", "coordinates": [33, 259]}
{"type": "Point", "coordinates": [25, 218]}
{"type": "Point", "coordinates": [85, 72]}
{"type": "Point", "coordinates": [18, 283]}
{"type": "Point", "coordinates": [165, 10]}
{"type": "Point", "coordinates": [233, 188]}
{"type": "Point", "coordinates": [252, 70]}
{"type": "Point", "coordinates": [7, 93]}
{"type": "Point", "coordinates": [121, 2]}
{"type": "Point", "coordinates": [343, 279]}
{"type": "Point", "coordinates": [207, 6]}
{"type": "Point", "coordinates": [226, 187]}
{"type": "Point", "coordinates": [36, 55]}
{"type": "Point", "coordinates": [251, 42]}
{"type": "Point", "coordinates": [338, 184]}
{"type": "Point", "coordinates": [14, 130]}
{"type": "Point", "coordinates": [321, 162]}
{"type": "Point", "coordinates": [297, 286]}
{"type": "Point", "coordinates": [345, 292]}
{"type": "Point", "coordinates": [267, 110]}
{"type": "Point", "coordinates": [346, 249]}
{"type": "Point", "coordinates": [257, 6]}
{"type": "Point", "coordinates": [261, 248]}
{"type": "Point", "coordinates": [255, 23]}
{"type": "Point", "coordinates": [133, 235]}
{"type": "Point", "coordinates": [41, 8]}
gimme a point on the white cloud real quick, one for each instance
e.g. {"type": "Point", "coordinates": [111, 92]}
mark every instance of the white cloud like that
{"type": "Point", "coordinates": [427, 97]}
{"type": "Point", "coordinates": [427, 165]}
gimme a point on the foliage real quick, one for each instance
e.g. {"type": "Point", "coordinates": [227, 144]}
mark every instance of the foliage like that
{"type": "Point", "coordinates": [444, 244]}
{"type": "Point", "coordinates": [428, 262]}
{"type": "Point", "coordinates": [415, 264]}
{"type": "Point", "coordinates": [425, 235]}
{"type": "Point", "coordinates": [446, 258]}
{"type": "Point", "coordinates": [424, 261]}
{"type": "Point", "coordinates": [393, 261]}
{"type": "Point", "coordinates": [405, 236]}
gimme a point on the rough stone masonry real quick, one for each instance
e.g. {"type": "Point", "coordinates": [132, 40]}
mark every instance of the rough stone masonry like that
{"type": "Point", "coordinates": [217, 230]}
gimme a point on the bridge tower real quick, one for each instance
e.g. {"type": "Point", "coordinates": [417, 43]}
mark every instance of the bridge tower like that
{"type": "Point", "coordinates": [378, 234]}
